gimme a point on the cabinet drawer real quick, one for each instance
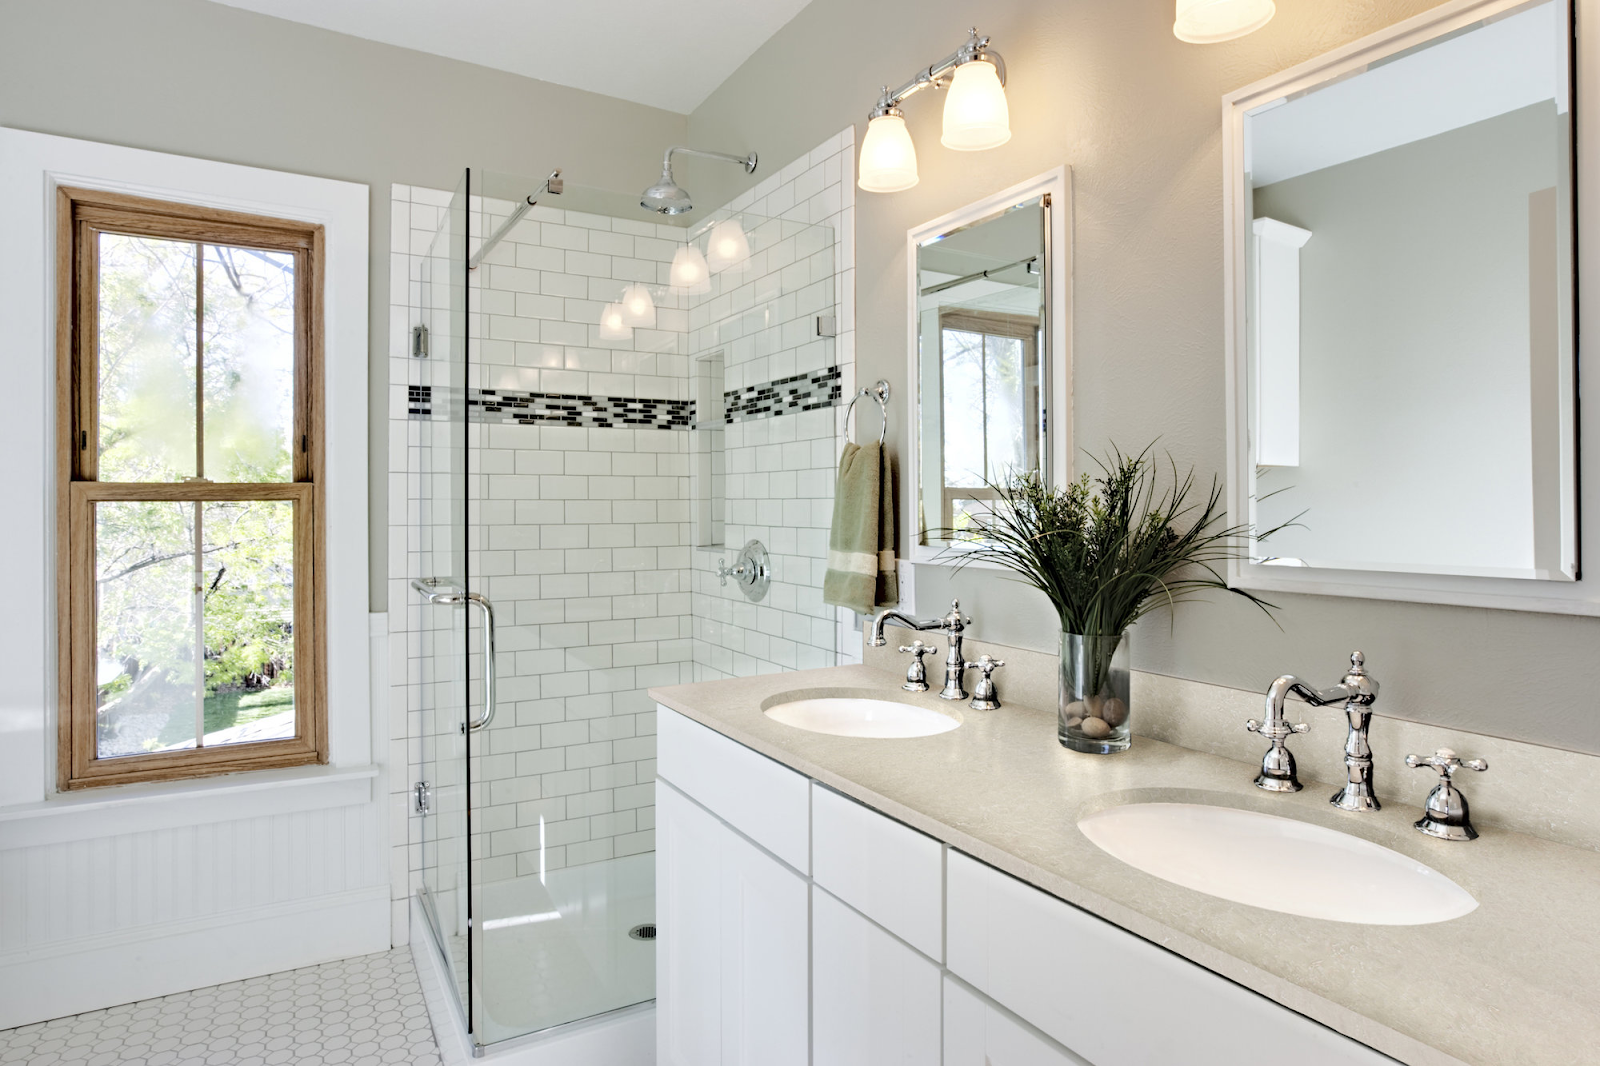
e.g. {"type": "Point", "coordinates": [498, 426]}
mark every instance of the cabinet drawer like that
{"type": "Point", "coordinates": [874, 1001]}
{"type": "Point", "coordinates": [977, 1033]}
{"type": "Point", "coordinates": [892, 874]}
{"type": "Point", "coordinates": [765, 801]}
{"type": "Point", "coordinates": [1095, 987]}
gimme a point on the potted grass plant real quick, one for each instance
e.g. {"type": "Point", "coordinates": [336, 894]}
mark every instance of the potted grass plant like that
{"type": "Point", "coordinates": [1107, 551]}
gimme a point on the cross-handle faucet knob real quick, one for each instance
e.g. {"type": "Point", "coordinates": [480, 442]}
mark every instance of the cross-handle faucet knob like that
{"type": "Point", "coordinates": [1445, 815]}
{"type": "Point", "coordinates": [917, 673]}
{"type": "Point", "coordinates": [724, 571]}
{"type": "Point", "coordinates": [984, 695]}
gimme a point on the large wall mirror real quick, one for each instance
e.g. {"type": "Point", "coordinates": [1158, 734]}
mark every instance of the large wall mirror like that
{"type": "Point", "coordinates": [988, 360]}
{"type": "Point", "coordinates": [1403, 359]}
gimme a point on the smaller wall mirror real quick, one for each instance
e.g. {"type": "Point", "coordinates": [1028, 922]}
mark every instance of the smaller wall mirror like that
{"type": "Point", "coordinates": [989, 363]}
{"type": "Point", "coordinates": [1404, 404]}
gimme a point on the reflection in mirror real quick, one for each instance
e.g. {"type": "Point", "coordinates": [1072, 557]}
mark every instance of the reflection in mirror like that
{"type": "Point", "coordinates": [1410, 309]}
{"type": "Point", "coordinates": [981, 311]}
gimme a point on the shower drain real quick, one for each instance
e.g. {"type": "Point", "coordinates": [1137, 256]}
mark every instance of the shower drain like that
{"type": "Point", "coordinates": [647, 931]}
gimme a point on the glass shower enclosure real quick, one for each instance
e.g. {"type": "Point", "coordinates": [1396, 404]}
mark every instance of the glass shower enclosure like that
{"type": "Point", "coordinates": [568, 483]}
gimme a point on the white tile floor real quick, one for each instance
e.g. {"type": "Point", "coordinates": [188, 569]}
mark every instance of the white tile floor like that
{"type": "Point", "coordinates": [365, 1011]}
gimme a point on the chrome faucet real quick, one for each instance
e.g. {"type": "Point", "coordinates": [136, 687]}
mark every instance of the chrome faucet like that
{"type": "Point", "coordinates": [952, 625]}
{"type": "Point", "coordinates": [1277, 765]}
{"type": "Point", "coordinates": [1357, 793]}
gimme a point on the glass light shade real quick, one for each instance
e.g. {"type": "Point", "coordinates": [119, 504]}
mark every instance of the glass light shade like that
{"type": "Point", "coordinates": [1211, 21]}
{"type": "Point", "coordinates": [975, 112]}
{"type": "Point", "coordinates": [689, 274]}
{"type": "Point", "coordinates": [729, 247]}
{"type": "Point", "coordinates": [637, 307]}
{"type": "Point", "coordinates": [612, 327]}
{"type": "Point", "coordinates": [888, 158]}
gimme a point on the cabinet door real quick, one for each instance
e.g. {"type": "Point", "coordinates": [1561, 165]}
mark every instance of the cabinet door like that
{"type": "Point", "coordinates": [689, 938]}
{"type": "Point", "coordinates": [875, 1001]}
{"type": "Point", "coordinates": [765, 959]}
{"type": "Point", "coordinates": [977, 1033]}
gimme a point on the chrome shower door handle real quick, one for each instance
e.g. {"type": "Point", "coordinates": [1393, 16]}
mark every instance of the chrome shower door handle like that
{"type": "Point", "coordinates": [483, 720]}
{"type": "Point", "coordinates": [429, 588]}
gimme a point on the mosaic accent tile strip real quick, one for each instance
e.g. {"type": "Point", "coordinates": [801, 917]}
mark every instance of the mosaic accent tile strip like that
{"type": "Point", "coordinates": [802, 392]}
{"type": "Point", "coordinates": [569, 409]}
{"type": "Point", "coordinates": [419, 401]}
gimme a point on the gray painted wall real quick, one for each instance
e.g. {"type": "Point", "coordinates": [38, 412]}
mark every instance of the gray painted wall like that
{"type": "Point", "coordinates": [1104, 86]}
{"type": "Point", "coordinates": [201, 79]}
{"type": "Point", "coordinates": [1414, 287]}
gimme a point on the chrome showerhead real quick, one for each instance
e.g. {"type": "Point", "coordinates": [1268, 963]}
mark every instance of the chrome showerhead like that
{"type": "Point", "coordinates": [667, 196]}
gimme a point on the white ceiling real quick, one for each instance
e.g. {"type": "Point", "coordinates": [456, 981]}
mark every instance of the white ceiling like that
{"type": "Point", "coordinates": [665, 53]}
{"type": "Point", "coordinates": [1499, 67]}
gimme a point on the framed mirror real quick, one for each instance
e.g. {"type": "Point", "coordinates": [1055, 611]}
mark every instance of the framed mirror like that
{"type": "Point", "coordinates": [989, 364]}
{"type": "Point", "coordinates": [1402, 356]}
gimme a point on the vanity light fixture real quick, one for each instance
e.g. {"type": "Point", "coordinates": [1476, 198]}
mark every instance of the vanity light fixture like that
{"type": "Point", "coordinates": [638, 309]}
{"type": "Point", "coordinates": [728, 247]}
{"type": "Point", "coordinates": [1214, 21]}
{"type": "Point", "coordinates": [975, 115]}
{"type": "Point", "coordinates": [690, 274]}
{"type": "Point", "coordinates": [612, 327]}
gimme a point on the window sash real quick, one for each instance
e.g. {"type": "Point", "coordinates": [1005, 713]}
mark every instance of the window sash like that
{"type": "Point", "coordinates": [82, 215]}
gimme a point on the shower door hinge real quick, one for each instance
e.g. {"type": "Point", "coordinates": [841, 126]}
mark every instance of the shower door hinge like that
{"type": "Point", "coordinates": [422, 797]}
{"type": "Point", "coordinates": [827, 326]}
{"type": "Point", "coordinates": [419, 342]}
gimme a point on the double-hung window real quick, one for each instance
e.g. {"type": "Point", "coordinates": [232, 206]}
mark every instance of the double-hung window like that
{"type": "Point", "coordinates": [189, 419]}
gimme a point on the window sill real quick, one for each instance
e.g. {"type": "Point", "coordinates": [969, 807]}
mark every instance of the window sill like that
{"type": "Point", "coordinates": [119, 809]}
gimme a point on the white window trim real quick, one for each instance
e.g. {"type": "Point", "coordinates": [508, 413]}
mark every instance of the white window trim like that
{"type": "Point", "coordinates": [32, 166]}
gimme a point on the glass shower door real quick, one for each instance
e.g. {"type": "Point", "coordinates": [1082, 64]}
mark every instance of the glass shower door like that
{"type": "Point", "coordinates": [439, 581]}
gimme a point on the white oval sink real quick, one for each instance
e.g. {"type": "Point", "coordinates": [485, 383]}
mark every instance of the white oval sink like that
{"type": "Point", "coordinates": [856, 716]}
{"type": "Point", "coordinates": [1276, 863]}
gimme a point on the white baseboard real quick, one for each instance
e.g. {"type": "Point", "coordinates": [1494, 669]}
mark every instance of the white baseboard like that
{"type": "Point", "coordinates": [158, 960]}
{"type": "Point", "coordinates": [621, 1038]}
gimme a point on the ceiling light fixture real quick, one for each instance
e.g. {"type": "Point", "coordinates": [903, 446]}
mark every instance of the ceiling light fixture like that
{"type": "Point", "coordinates": [1214, 21]}
{"type": "Point", "coordinates": [975, 115]}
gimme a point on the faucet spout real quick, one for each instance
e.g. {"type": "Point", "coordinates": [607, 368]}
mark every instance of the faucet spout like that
{"type": "Point", "coordinates": [952, 625]}
{"type": "Point", "coordinates": [877, 640]}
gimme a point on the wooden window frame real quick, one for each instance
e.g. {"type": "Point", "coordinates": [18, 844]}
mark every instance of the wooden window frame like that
{"type": "Point", "coordinates": [81, 214]}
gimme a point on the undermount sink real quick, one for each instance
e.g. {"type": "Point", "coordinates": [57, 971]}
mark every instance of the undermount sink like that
{"type": "Point", "coordinates": [1277, 863]}
{"type": "Point", "coordinates": [859, 716]}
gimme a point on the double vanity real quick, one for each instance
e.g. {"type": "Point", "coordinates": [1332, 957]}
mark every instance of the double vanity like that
{"type": "Point", "coordinates": [851, 873]}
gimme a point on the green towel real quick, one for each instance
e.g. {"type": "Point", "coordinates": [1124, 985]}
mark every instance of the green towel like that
{"type": "Point", "coordinates": [861, 566]}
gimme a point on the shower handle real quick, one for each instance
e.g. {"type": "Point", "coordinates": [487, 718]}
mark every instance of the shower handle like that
{"type": "Point", "coordinates": [428, 587]}
{"type": "Point", "coordinates": [483, 720]}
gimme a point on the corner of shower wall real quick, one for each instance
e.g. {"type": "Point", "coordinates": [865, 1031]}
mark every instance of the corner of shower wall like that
{"type": "Point", "coordinates": [783, 386]}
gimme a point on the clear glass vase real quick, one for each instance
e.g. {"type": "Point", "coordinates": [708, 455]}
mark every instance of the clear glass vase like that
{"type": "Point", "coordinates": [1092, 702]}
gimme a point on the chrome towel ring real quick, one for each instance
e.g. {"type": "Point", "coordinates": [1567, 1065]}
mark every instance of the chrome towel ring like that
{"type": "Point", "coordinates": [879, 392]}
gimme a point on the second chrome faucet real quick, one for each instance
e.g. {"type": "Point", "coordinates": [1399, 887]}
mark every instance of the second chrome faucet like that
{"type": "Point", "coordinates": [1357, 690]}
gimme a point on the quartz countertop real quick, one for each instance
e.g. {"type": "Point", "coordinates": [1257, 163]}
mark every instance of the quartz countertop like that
{"type": "Point", "coordinates": [1515, 981]}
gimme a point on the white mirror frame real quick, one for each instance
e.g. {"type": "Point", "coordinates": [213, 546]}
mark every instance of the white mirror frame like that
{"type": "Point", "coordinates": [1057, 347]}
{"type": "Point", "coordinates": [1581, 597]}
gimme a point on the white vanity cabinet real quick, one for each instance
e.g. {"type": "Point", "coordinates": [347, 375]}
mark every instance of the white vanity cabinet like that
{"type": "Point", "coordinates": [978, 1033]}
{"type": "Point", "coordinates": [798, 926]}
{"type": "Point", "coordinates": [874, 1000]}
{"type": "Point", "coordinates": [1110, 996]}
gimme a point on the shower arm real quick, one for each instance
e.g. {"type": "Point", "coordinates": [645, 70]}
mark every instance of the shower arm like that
{"type": "Point", "coordinates": [746, 161]}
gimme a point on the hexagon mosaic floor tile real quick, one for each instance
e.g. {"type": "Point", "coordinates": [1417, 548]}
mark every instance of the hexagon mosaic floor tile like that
{"type": "Point", "coordinates": [365, 1011]}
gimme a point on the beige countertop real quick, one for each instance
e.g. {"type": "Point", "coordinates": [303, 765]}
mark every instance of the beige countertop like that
{"type": "Point", "coordinates": [1515, 981]}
